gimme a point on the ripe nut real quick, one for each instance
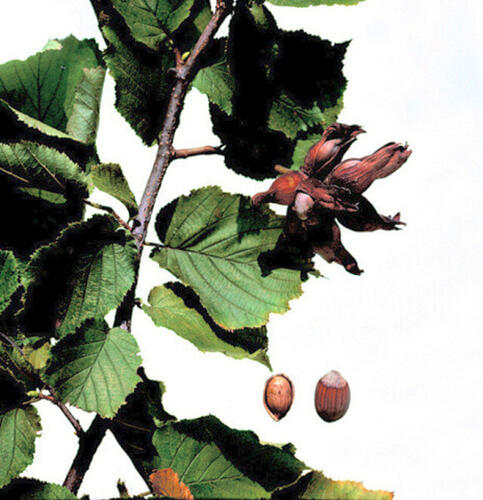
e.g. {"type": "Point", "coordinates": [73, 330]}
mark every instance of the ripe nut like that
{"type": "Point", "coordinates": [332, 396]}
{"type": "Point", "coordinates": [278, 396]}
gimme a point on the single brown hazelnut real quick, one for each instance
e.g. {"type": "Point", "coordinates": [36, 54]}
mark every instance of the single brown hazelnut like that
{"type": "Point", "coordinates": [278, 396]}
{"type": "Point", "coordinates": [332, 396]}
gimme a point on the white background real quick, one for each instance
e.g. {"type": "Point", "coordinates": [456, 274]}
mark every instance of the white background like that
{"type": "Point", "coordinates": [406, 334]}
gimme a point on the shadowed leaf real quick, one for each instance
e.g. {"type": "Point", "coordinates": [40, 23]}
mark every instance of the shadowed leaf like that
{"type": "Point", "coordinates": [33, 489]}
{"type": "Point", "coordinates": [215, 461]}
{"type": "Point", "coordinates": [84, 273]}
{"type": "Point", "coordinates": [178, 308]}
{"type": "Point", "coordinates": [137, 419]}
{"type": "Point", "coordinates": [270, 89]}
{"type": "Point", "coordinates": [9, 279]}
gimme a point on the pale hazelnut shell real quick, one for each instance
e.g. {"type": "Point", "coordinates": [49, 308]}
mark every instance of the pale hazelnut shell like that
{"type": "Point", "coordinates": [278, 396]}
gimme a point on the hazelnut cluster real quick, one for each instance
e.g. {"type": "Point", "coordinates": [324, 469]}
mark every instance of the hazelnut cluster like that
{"type": "Point", "coordinates": [328, 190]}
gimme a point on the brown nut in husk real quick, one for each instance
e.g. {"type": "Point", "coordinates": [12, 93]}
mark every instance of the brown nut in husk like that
{"type": "Point", "coordinates": [332, 396]}
{"type": "Point", "coordinates": [278, 396]}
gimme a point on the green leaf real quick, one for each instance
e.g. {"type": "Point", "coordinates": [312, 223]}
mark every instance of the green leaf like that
{"type": "Point", "coordinates": [142, 84]}
{"type": "Point", "coordinates": [45, 85]}
{"type": "Point", "coordinates": [315, 485]}
{"type": "Point", "coordinates": [287, 117]}
{"type": "Point", "coordinates": [137, 419]}
{"type": "Point", "coordinates": [95, 369]}
{"type": "Point", "coordinates": [217, 82]}
{"type": "Point", "coordinates": [83, 274]}
{"type": "Point", "coordinates": [153, 22]}
{"type": "Point", "coordinates": [286, 85]}
{"type": "Point", "coordinates": [307, 3]}
{"type": "Point", "coordinates": [177, 308]}
{"type": "Point", "coordinates": [108, 177]}
{"type": "Point", "coordinates": [84, 118]}
{"type": "Point", "coordinates": [215, 461]}
{"type": "Point", "coordinates": [31, 165]}
{"type": "Point", "coordinates": [213, 241]}
{"type": "Point", "coordinates": [33, 489]}
{"type": "Point", "coordinates": [8, 278]}
{"type": "Point", "coordinates": [18, 430]}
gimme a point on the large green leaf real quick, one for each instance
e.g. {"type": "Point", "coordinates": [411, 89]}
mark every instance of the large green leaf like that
{"type": "Point", "coordinates": [108, 177]}
{"type": "Point", "coordinates": [215, 461]}
{"type": "Point", "coordinates": [212, 243]}
{"type": "Point", "coordinates": [19, 428]}
{"type": "Point", "coordinates": [48, 85]}
{"type": "Point", "coordinates": [153, 21]}
{"type": "Point", "coordinates": [8, 278]}
{"type": "Point", "coordinates": [282, 86]}
{"type": "Point", "coordinates": [84, 273]}
{"type": "Point", "coordinates": [177, 308]}
{"type": "Point", "coordinates": [307, 3]}
{"type": "Point", "coordinates": [315, 485]}
{"type": "Point", "coordinates": [33, 489]}
{"type": "Point", "coordinates": [95, 369]}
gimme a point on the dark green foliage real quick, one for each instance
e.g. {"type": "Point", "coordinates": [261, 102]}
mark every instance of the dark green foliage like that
{"type": "Point", "coordinates": [285, 85]}
{"type": "Point", "coordinates": [84, 274]}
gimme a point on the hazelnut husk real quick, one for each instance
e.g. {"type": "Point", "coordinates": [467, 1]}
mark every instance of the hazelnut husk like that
{"type": "Point", "coordinates": [278, 396]}
{"type": "Point", "coordinates": [332, 396]}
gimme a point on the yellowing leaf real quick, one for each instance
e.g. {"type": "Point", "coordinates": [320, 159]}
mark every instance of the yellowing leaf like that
{"type": "Point", "coordinates": [166, 482]}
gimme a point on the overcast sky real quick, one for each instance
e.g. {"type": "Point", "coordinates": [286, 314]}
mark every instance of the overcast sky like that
{"type": "Point", "coordinates": [406, 334]}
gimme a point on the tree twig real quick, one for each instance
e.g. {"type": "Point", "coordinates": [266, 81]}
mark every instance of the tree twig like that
{"type": "Point", "coordinates": [185, 72]}
{"type": "Point", "coordinates": [184, 75]}
{"type": "Point", "coordinates": [106, 208]}
{"type": "Point", "coordinates": [202, 150]}
{"type": "Point", "coordinates": [7, 339]}
{"type": "Point", "coordinates": [52, 398]}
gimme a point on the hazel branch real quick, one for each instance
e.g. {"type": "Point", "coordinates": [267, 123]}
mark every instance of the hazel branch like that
{"type": "Point", "coordinates": [184, 74]}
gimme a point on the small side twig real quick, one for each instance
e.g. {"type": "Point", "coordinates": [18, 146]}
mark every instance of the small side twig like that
{"type": "Point", "coordinates": [201, 150]}
{"type": "Point", "coordinates": [7, 339]}
{"type": "Point", "coordinates": [63, 408]}
{"type": "Point", "coordinates": [110, 210]}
